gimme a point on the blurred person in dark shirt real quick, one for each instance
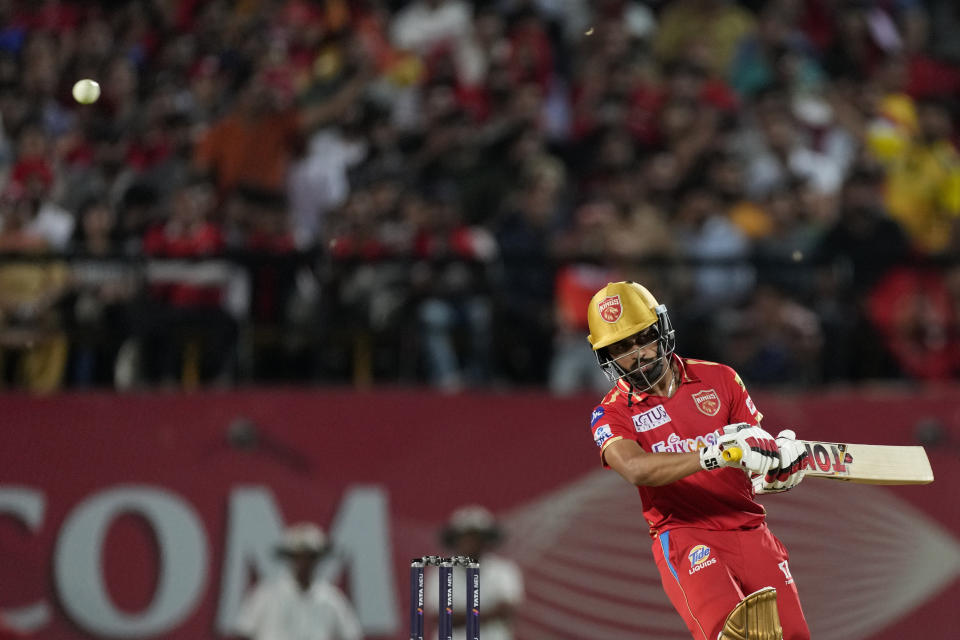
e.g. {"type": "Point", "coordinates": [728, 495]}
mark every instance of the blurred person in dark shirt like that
{"type": "Point", "coordinates": [853, 255]}
{"type": "Point", "coordinates": [104, 285]}
{"type": "Point", "coordinates": [865, 241]}
{"type": "Point", "coordinates": [784, 250]}
{"type": "Point", "coordinates": [525, 288]}
{"type": "Point", "coordinates": [278, 276]}
{"type": "Point", "coordinates": [772, 338]}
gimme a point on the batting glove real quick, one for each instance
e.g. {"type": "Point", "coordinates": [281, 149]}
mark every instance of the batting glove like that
{"type": "Point", "coordinates": [793, 456]}
{"type": "Point", "coordinates": [758, 450]}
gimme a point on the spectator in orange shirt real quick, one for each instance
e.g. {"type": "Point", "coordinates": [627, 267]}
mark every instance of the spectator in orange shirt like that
{"type": "Point", "coordinates": [254, 143]}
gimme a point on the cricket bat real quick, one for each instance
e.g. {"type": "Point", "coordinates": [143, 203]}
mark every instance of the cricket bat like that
{"type": "Point", "coordinates": [861, 463]}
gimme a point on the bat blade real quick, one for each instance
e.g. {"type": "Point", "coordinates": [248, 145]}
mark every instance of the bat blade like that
{"type": "Point", "coordinates": [868, 463]}
{"type": "Point", "coordinates": [861, 463]}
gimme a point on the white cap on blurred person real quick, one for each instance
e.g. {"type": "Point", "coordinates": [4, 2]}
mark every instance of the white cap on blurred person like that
{"type": "Point", "coordinates": [471, 519]}
{"type": "Point", "coordinates": [304, 537]}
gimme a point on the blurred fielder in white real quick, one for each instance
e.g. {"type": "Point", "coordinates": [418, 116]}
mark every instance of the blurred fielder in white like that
{"type": "Point", "coordinates": [473, 531]}
{"type": "Point", "coordinates": [294, 606]}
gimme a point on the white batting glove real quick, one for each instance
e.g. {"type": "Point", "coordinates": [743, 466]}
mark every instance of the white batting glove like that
{"type": "Point", "coordinates": [790, 472]}
{"type": "Point", "coordinates": [758, 449]}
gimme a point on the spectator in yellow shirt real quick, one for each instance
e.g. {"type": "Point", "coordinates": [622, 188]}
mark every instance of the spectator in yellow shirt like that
{"type": "Point", "coordinates": [923, 182]}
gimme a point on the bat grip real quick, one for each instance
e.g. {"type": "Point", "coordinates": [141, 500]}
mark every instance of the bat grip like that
{"type": "Point", "coordinates": [732, 454]}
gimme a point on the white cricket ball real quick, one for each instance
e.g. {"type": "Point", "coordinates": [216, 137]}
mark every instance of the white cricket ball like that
{"type": "Point", "coordinates": [86, 91]}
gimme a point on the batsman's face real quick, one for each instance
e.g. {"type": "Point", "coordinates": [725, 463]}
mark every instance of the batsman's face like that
{"type": "Point", "coordinates": [638, 349]}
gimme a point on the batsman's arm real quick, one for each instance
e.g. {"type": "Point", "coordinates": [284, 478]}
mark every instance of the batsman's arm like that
{"type": "Point", "coordinates": [645, 469]}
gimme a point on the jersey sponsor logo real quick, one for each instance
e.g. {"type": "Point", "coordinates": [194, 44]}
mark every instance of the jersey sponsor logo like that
{"type": "Point", "coordinates": [752, 407]}
{"type": "Point", "coordinates": [601, 434]}
{"type": "Point", "coordinates": [597, 414]}
{"type": "Point", "coordinates": [699, 558]}
{"type": "Point", "coordinates": [676, 444]}
{"type": "Point", "coordinates": [708, 402]}
{"type": "Point", "coordinates": [699, 554]}
{"type": "Point", "coordinates": [651, 419]}
{"type": "Point", "coordinates": [610, 309]}
{"type": "Point", "coordinates": [786, 571]}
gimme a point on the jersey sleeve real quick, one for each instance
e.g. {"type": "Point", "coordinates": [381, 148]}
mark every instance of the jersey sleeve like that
{"type": "Point", "coordinates": [607, 427]}
{"type": "Point", "coordinates": [742, 408]}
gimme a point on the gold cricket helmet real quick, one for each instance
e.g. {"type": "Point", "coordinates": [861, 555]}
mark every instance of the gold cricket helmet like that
{"type": "Point", "coordinates": [620, 310]}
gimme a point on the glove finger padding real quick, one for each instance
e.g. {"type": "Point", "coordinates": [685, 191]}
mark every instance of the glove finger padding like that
{"type": "Point", "coordinates": [793, 456]}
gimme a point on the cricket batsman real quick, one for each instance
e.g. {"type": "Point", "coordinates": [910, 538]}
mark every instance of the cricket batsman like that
{"type": "Point", "coordinates": [664, 426]}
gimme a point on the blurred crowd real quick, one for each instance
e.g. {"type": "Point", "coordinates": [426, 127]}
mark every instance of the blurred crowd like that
{"type": "Point", "coordinates": [376, 191]}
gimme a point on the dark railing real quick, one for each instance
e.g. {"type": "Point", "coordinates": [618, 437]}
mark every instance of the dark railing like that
{"type": "Point", "coordinates": [309, 317]}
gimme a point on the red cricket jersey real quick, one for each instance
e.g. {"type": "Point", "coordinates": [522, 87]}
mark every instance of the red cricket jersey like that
{"type": "Point", "coordinates": [710, 396]}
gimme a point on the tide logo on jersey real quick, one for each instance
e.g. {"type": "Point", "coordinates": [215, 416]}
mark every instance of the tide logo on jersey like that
{"type": "Point", "coordinates": [699, 558]}
{"type": "Point", "coordinates": [651, 419]}
{"type": "Point", "coordinates": [676, 444]}
{"type": "Point", "coordinates": [601, 434]}
{"type": "Point", "coordinates": [610, 309]}
{"type": "Point", "coordinates": [597, 414]}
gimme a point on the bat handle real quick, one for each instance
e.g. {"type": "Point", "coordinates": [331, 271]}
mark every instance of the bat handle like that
{"type": "Point", "coordinates": [732, 454]}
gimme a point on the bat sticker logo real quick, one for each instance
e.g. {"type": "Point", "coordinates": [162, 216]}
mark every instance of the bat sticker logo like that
{"type": "Point", "coordinates": [833, 460]}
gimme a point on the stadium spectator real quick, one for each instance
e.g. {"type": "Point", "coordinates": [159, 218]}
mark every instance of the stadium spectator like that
{"type": "Point", "coordinates": [914, 312]}
{"type": "Point", "coordinates": [923, 181]}
{"type": "Point", "coordinates": [524, 291]}
{"type": "Point", "coordinates": [186, 332]}
{"type": "Point", "coordinates": [104, 285]}
{"type": "Point", "coordinates": [451, 283]}
{"type": "Point", "coordinates": [524, 110]}
{"type": "Point", "coordinates": [855, 253]}
{"type": "Point", "coordinates": [712, 27]}
{"type": "Point", "coordinates": [33, 345]}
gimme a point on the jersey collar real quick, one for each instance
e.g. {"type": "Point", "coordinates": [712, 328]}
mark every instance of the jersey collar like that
{"type": "Point", "coordinates": [685, 374]}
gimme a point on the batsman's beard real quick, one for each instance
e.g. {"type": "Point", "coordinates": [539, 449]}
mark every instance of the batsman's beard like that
{"type": "Point", "coordinates": [647, 374]}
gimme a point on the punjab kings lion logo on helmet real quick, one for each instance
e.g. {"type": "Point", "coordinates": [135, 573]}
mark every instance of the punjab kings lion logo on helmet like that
{"type": "Point", "coordinates": [707, 402]}
{"type": "Point", "coordinates": [610, 309]}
